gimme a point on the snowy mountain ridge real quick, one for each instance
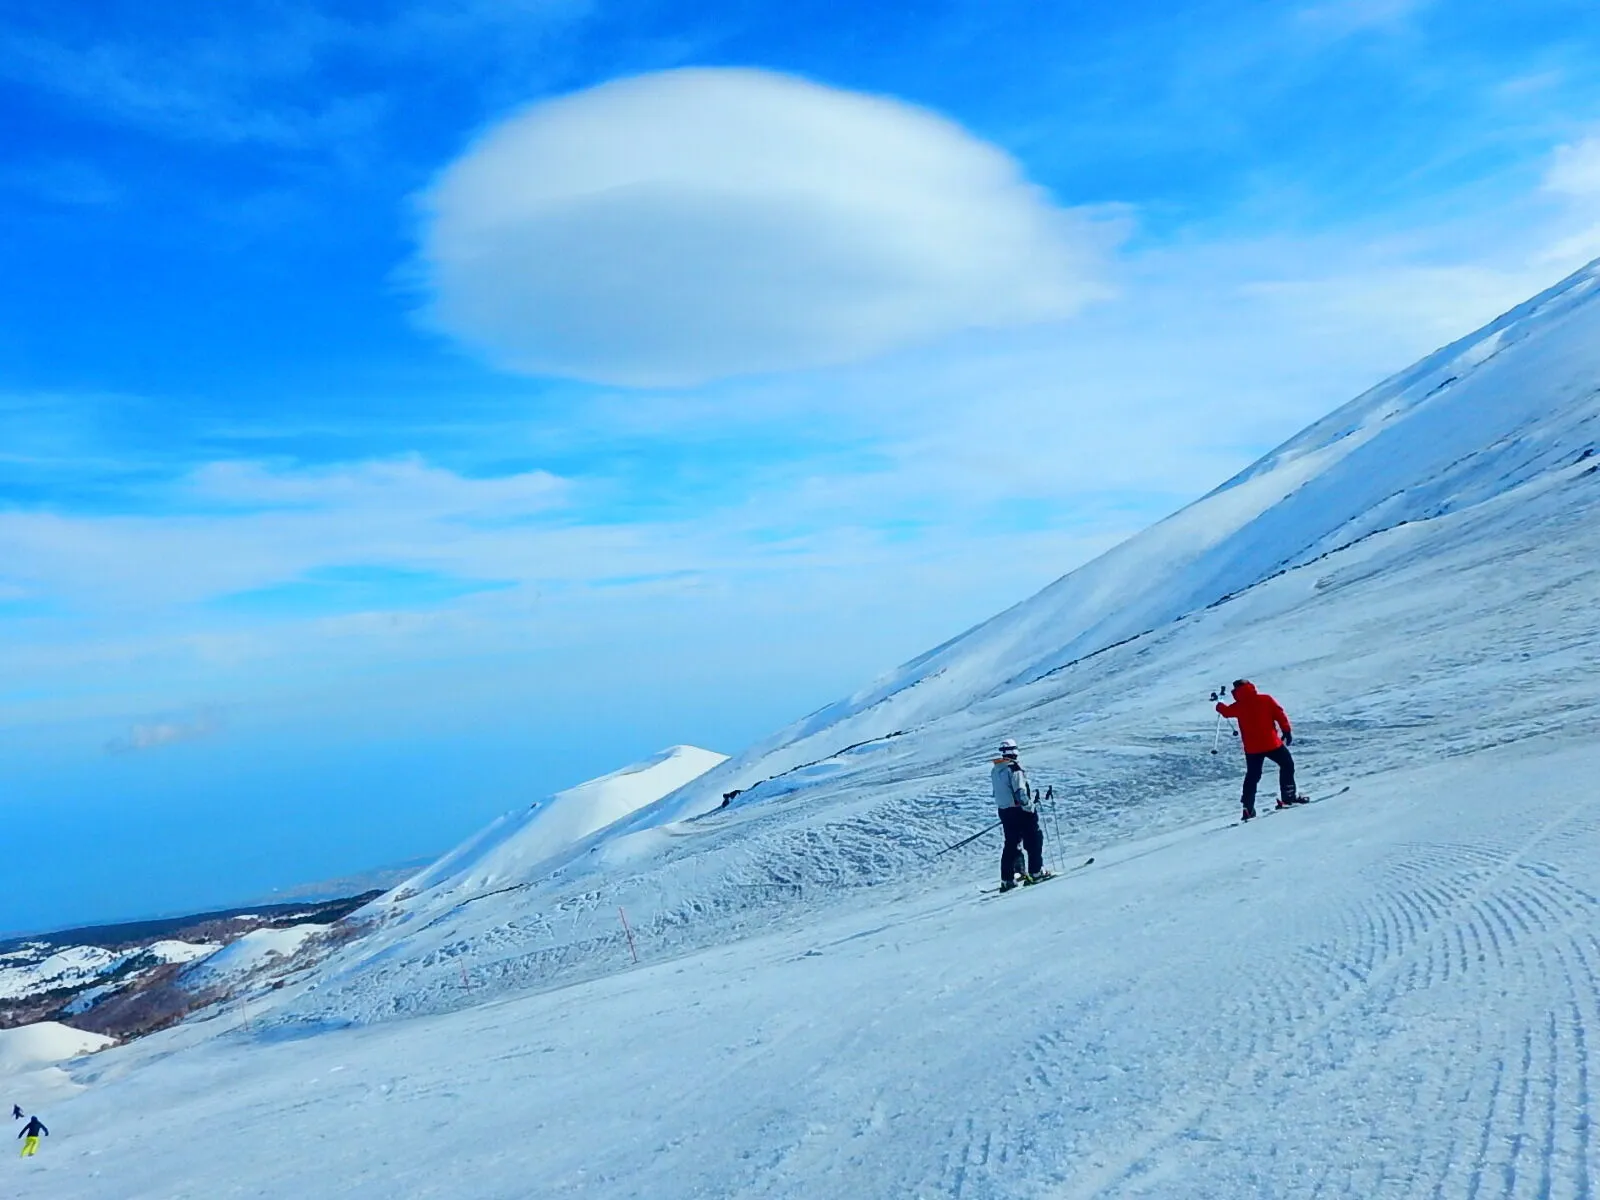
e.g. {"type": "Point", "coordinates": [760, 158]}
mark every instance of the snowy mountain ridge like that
{"type": "Point", "coordinates": [1458, 427]}
{"type": "Point", "coordinates": [512, 848]}
{"type": "Point", "coordinates": [1395, 992]}
{"type": "Point", "coordinates": [1453, 496]}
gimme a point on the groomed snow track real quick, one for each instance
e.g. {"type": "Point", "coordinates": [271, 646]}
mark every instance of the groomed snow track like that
{"type": "Point", "coordinates": [1392, 994]}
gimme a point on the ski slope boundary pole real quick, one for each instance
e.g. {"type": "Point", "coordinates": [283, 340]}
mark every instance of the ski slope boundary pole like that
{"type": "Point", "coordinates": [632, 949]}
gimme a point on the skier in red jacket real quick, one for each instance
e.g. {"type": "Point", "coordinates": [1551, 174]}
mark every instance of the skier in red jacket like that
{"type": "Point", "coordinates": [1260, 718]}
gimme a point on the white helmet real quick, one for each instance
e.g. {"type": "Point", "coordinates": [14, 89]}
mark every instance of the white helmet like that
{"type": "Point", "coordinates": [1009, 746]}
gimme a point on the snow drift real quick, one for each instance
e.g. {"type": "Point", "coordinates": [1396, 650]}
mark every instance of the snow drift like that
{"type": "Point", "coordinates": [45, 1043]}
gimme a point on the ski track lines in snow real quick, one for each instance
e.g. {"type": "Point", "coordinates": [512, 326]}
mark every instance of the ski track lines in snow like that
{"type": "Point", "coordinates": [1428, 919]}
{"type": "Point", "coordinates": [1388, 995]}
{"type": "Point", "coordinates": [1390, 659]}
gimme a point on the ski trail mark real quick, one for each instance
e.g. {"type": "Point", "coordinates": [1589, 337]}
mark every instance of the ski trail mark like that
{"type": "Point", "coordinates": [1391, 936]}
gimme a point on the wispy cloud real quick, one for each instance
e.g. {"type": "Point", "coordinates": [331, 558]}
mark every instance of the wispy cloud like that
{"type": "Point", "coordinates": [1575, 169]}
{"type": "Point", "coordinates": [406, 484]}
{"type": "Point", "coordinates": [234, 75]}
{"type": "Point", "coordinates": [1353, 16]}
{"type": "Point", "coordinates": [237, 527]}
{"type": "Point", "coordinates": [152, 735]}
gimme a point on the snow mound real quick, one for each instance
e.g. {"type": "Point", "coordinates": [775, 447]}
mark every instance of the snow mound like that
{"type": "Point", "coordinates": [255, 951]}
{"type": "Point", "coordinates": [45, 1043]}
{"type": "Point", "coordinates": [510, 850]}
{"type": "Point", "coordinates": [172, 951]}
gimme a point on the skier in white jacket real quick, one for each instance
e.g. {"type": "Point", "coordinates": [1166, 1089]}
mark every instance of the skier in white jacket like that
{"type": "Point", "coordinates": [1018, 817]}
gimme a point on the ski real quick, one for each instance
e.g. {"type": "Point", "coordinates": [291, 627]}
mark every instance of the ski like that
{"type": "Point", "coordinates": [1310, 800]}
{"type": "Point", "coordinates": [994, 891]}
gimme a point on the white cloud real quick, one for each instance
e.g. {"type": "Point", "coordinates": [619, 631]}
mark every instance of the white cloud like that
{"type": "Point", "coordinates": [1354, 16]}
{"type": "Point", "coordinates": [1414, 307]}
{"type": "Point", "coordinates": [406, 483]}
{"type": "Point", "coordinates": [247, 525]}
{"type": "Point", "coordinates": [1575, 169]}
{"type": "Point", "coordinates": [225, 74]}
{"type": "Point", "coordinates": [150, 735]}
{"type": "Point", "coordinates": [688, 225]}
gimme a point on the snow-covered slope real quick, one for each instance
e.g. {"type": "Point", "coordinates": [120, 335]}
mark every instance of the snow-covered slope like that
{"type": "Point", "coordinates": [1392, 994]}
{"type": "Point", "coordinates": [515, 845]}
{"type": "Point", "coordinates": [824, 1005]}
{"type": "Point", "coordinates": [1378, 573]}
{"type": "Point", "coordinates": [30, 1058]}
{"type": "Point", "coordinates": [35, 967]}
{"type": "Point", "coordinates": [45, 1043]}
{"type": "Point", "coordinates": [1471, 422]}
{"type": "Point", "coordinates": [241, 958]}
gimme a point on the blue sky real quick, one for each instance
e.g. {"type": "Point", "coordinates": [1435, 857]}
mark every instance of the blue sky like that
{"type": "Point", "coordinates": [407, 410]}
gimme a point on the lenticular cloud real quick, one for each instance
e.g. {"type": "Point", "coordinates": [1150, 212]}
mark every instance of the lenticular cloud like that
{"type": "Point", "coordinates": [679, 227]}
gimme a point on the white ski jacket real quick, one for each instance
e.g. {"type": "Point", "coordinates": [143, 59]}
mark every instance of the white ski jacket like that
{"type": "Point", "coordinates": [1010, 783]}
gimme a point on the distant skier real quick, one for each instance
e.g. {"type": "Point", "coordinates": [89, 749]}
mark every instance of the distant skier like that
{"type": "Point", "coordinates": [1260, 718]}
{"type": "Point", "coordinates": [16, 1112]}
{"type": "Point", "coordinates": [1018, 817]}
{"type": "Point", "coordinates": [30, 1136]}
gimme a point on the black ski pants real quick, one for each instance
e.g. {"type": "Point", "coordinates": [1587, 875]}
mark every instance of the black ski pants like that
{"type": "Point", "coordinates": [1252, 774]}
{"type": "Point", "coordinates": [1022, 833]}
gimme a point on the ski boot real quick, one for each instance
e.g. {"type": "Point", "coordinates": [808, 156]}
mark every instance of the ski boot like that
{"type": "Point", "coordinates": [1007, 884]}
{"type": "Point", "coordinates": [1249, 814]}
{"type": "Point", "coordinates": [1030, 880]}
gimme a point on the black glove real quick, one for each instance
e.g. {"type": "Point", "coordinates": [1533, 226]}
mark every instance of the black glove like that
{"type": "Point", "coordinates": [1288, 738]}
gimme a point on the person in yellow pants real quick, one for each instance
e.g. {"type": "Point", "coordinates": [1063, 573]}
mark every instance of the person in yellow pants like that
{"type": "Point", "coordinates": [30, 1136]}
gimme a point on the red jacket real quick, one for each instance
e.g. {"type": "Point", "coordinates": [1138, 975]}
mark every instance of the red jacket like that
{"type": "Point", "coordinates": [1259, 716]}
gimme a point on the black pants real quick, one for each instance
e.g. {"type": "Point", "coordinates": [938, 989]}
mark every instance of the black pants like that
{"type": "Point", "coordinates": [1252, 774]}
{"type": "Point", "coordinates": [1022, 832]}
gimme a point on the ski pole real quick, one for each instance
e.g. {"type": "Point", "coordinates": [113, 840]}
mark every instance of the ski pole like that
{"type": "Point", "coordinates": [1055, 821]}
{"type": "Point", "coordinates": [965, 841]}
{"type": "Point", "coordinates": [1216, 734]}
{"type": "Point", "coordinates": [1038, 809]}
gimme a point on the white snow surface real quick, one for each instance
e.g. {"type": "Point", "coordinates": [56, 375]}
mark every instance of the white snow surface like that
{"type": "Point", "coordinates": [45, 1043]}
{"type": "Point", "coordinates": [1388, 994]}
{"type": "Point", "coordinates": [246, 955]}
{"type": "Point", "coordinates": [36, 967]}
{"type": "Point", "coordinates": [511, 849]}
{"type": "Point", "coordinates": [1391, 993]}
{"type": "Point", "coordinates": [23, 974]}
{"type": "Point", "coordinates": [171, 950]}
{"type": "Point", "coordinates": [30, 1058]}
